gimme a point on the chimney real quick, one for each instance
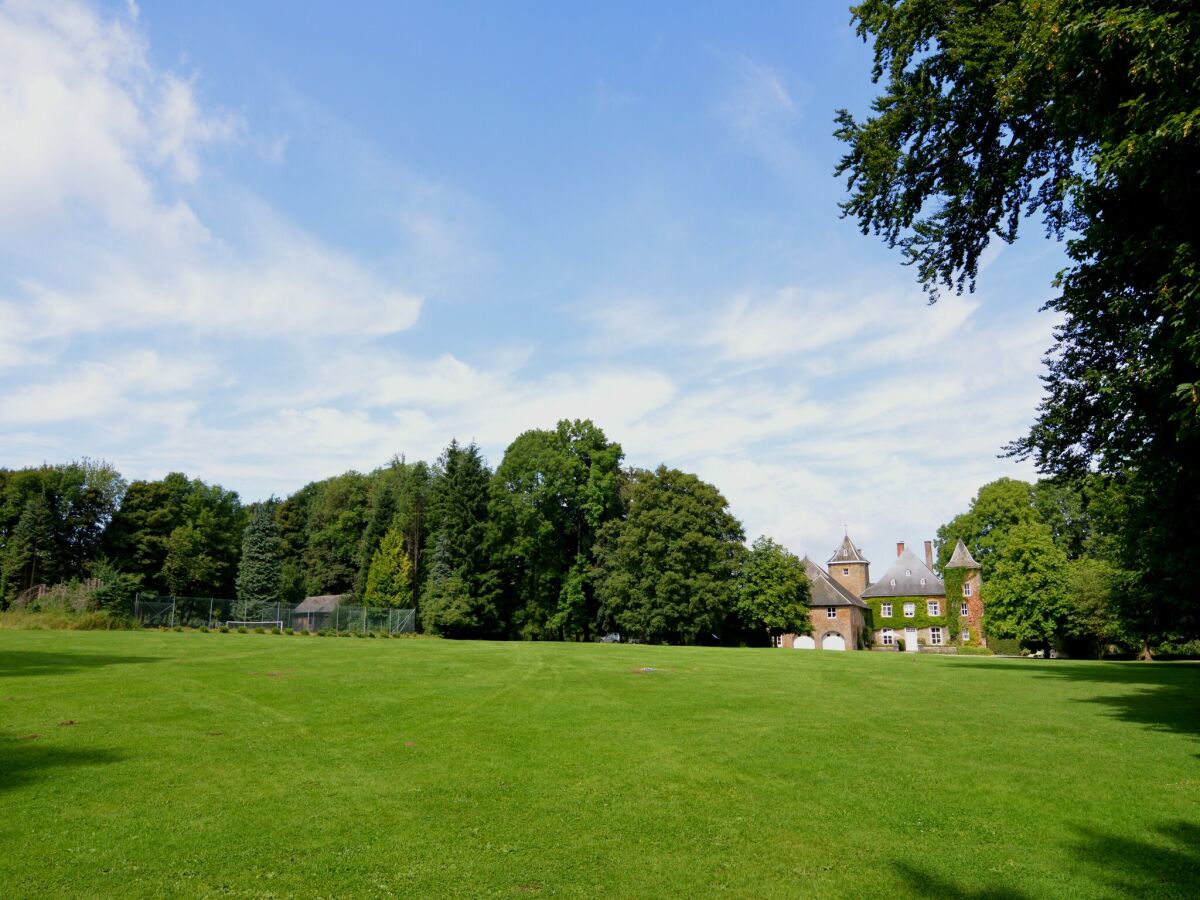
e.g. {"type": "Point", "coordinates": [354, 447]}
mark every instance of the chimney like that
{"type": "Point", "coordinates": [929, 554]}
{"type": "Point", "coordinates": [899, 548]}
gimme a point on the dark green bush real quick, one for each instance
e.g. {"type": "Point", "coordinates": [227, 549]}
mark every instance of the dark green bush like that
{"type": "Point", "coordinates": [241, 629]}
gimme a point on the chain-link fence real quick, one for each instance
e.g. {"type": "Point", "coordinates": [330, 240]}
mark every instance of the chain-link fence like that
{"type": "Point", "coordinates": [212, 612]}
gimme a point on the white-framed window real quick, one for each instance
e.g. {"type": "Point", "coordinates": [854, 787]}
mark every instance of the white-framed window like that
{"type": "Point", "coordinates": [966, 635]}
{"type": "Point", "coordinates": [910, 610]}
{"type": "Point", "coordinates": [831, 612]}
{"type": "Point", "coordinates": [933, 607]}
{"type": "Point", "coordinates": [885, 610]}
{"type": "Point", "coordinates": [922, 582]}
{"type": "Point", "coordinates": [888, 637]}
{"type": "Point", "coordinates": [935, 636]}
{"type": "Point", "coordinates": [893, 582]}
{"type": "Point", "coordinates": [966, 589]}
{"type": "Point", "coordinates": [845, 570]}
{"type": "Point", "coordinates": [908, 573]}
{"type": "Point", "coordinates": [964, 610]}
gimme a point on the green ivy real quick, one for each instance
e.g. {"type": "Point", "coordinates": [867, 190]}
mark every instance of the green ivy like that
{"type": "Point", "coordinates": [953, 579]}
{"type": "Point", "coordinates": [898, 622]}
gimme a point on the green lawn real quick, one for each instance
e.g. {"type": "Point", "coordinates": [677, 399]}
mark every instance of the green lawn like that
{"type": "Point", "coordinates": [256, 765]}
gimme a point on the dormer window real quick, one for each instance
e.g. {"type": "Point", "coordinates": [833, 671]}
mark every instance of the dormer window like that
{"type": "Point", "coordinates": [922, 582]}
{"type": "Point", "coordinates": [893, 582]}
{"type": "Point", "coordinates": [908, 573]}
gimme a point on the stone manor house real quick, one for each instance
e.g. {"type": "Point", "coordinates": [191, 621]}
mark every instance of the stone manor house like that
{"type": "Point", "coordinates": [908, 608]}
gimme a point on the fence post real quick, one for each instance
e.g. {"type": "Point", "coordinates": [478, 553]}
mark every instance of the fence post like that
{"type": "Point", "coordinates": [210, 603]}
{"type": "Point", "coordinates": [172, 610]}
{"type": "Point", "coordinates": [336, 617]}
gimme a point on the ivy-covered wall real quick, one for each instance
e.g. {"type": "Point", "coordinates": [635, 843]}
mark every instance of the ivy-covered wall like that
{"type": "Point", "coordinates": [898, 622]}
{"type": "Point", "coordinates": [953, 579]}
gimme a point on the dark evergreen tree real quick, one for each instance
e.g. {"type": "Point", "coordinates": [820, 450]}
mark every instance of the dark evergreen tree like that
{"type": "Point", "coordinates": [259, 579]}
{"type": "Point", "coordinates": [29, 552]}
{"type": "Point", "coordinates": [462, 578]}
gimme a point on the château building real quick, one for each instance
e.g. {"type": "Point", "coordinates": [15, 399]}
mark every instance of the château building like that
{"type": "Point", "coordinates": [908, 608]}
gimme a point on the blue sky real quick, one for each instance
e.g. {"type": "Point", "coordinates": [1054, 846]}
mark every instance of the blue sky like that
{"type": "Point", "coordinates": [265, 243]}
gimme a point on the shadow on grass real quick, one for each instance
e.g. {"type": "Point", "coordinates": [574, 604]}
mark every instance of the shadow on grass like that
{"type": "Point", "coordinates": [923, 884]}
{"type": "Point", "coordinates": [1114, 866]}
{"type": "Point", "coordinates": [1166, 700]}
{"type": "Point", "coordinates": [23, 760]}
{"type": "Point", "coordinates": [1132, 868]}
{"type": "Point", "coordinates": [42, 662]}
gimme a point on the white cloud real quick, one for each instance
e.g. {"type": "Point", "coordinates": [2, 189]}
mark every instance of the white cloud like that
{"type": "Point", "coordinates": [99, 145]}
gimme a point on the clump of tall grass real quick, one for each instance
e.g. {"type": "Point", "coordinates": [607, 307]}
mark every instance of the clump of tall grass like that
{"type": "Point", "coordinates": [64, 618]}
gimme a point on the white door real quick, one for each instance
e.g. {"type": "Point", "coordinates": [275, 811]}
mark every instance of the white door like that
{"type": "Point", "coordinates": [804, 642]}
{"type": "Point", "coordinates": [910, 640]}
{"type": "Point", "coordinates": [833, 641]}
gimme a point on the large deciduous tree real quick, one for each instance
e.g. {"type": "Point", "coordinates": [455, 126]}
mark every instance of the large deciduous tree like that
{"type": "Point", "coordinates": [772, 591]}
{"type": "Point", "coordinates": [665, 572]}
{"type": "Point", "coordinates": [1086, 113]}
{"type": "Point", "coordinates": [551, 493]}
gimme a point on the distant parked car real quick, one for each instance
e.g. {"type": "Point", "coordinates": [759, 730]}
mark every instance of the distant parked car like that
{"type": "Point", "coordinates": [611, 638]}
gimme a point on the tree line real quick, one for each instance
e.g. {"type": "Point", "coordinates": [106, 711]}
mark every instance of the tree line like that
{"type": "Point", "coordinates": [559, 542]}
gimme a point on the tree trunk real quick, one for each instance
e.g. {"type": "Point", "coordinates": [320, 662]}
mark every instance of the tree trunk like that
{"type": "Point", "coordinates": [1146, 654]}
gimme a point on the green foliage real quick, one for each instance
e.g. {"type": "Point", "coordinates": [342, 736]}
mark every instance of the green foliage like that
{"type": "Point", "coordinates": [259, 582]}
{"type": "Point", "coordinates": [1026, 595]}
{"type": "Point", "coordinates": [551, 493]}
{"type": "Point", "coordinates": [460, 592]}
{"type": "Point", "coordinates": [898, 621]}
{"type": "Point", "coordinates": [1085, 112]}
{"type": "Point", "coordinates": [178, 536]}
{"type": "Point", "coordinates": [666, 571]}
{"type": "Point", "coordinates": [772, 591]}
{"type": "Point", "coordinates": [1092, 585]}
{"type": "Point", "coordinates": [389, 579]}
{"type": "Point", "coordinates": [997, 508]}
{"type": "Point", "coordinates": [29, 551]}
{"type": "Point", "coordinates": [74, 504]}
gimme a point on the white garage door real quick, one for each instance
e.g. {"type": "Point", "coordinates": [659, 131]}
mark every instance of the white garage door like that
{"type": "Point", "coordinates": [833, 641]}
{"type": "Point", "coordinates": [804, 642]}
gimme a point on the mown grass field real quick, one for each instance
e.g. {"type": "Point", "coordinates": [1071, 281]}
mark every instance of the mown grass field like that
{"type": "Point", "coordinates": [137, 764]}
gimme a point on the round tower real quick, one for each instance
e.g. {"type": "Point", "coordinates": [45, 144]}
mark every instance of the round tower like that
{"type": "Point", "coordinates": [970, 601]}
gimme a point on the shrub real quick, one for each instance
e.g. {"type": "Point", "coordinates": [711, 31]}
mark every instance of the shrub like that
{"type": "Point", "coordinates": [276, 631]}
{"type": "Point", "coordinates": [241, 629]}
{"type": "Point", "coordinates": [259, 630]}
{"type": "Point", "coordinates": [178, 628]}
{"type": "Point", "coordinates": [204, 629]}
{"type": "Point", "coordinates": [224, 629]}
{"type": "Point", "coordinates": [288, 631]}
{"type": "Point", "coordinates": [95, 620]}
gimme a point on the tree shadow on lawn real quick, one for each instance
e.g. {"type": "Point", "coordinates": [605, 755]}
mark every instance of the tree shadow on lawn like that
{"type": "Point", "coordinates": [24, 759]}
{"type": "Point", "coordinates": [42, 662]}
{"type": "Point", "coordinates": [1168, 702]}
{"type": "Point", "coordinates": [1115, 866]}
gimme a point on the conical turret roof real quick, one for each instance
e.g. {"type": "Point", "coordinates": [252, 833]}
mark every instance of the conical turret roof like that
{"type": "Point", "coordinates": [847, 553]}
{"type": "Point", "coordinates": [961, 558]}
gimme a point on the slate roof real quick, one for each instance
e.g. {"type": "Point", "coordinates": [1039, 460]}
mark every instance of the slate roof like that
{"type": "Point", "coordinates": [961, 558]}
{"type": "Point", "coordinates": [847, 553]}
{"type": "Point", "coordinates": [907, 585]}
{"type": "Point", "coordinates": [826, 591]}
{"type": "Point", "coordinates": [321, 603]}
